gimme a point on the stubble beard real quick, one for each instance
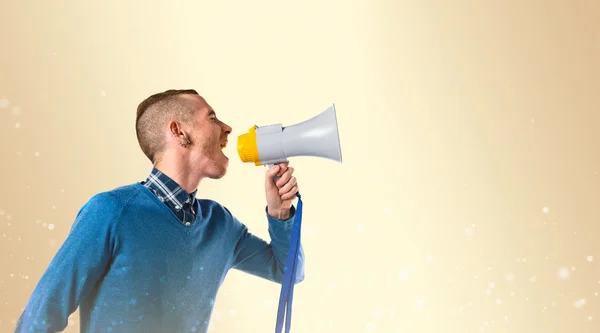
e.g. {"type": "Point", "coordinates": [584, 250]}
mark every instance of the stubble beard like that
{"type": "Point", "coordinates": [216, 161]}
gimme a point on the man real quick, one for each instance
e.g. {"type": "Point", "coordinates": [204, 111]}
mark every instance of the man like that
{"type": "Point", "coordinates": [150, 256]}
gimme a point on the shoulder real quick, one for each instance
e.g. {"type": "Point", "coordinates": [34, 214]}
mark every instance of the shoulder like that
{"type": "Point", "coordinates": [213, 207]}
{"type": "Point", "coordinates": [219, 212]}
{"type": "Point", "coordinates": [115, 197]}
{"type": "Point", "coordinates": [111, 203]}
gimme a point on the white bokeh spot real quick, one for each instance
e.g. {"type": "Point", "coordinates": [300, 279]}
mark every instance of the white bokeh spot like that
{"type": "Point", "coordinates": [370, 326]}
{"type": "Point", "coordinates": [564, 273]}
{"type": "Point", "coordinates": [579, 303]}
{"type": "Point", "coordinates": [403, 274]}
{"type": "Point", "coordinates": [419, 304]}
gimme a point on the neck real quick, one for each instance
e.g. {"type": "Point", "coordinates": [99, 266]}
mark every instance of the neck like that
{"type": "Point", "coordinates": [180, 171]}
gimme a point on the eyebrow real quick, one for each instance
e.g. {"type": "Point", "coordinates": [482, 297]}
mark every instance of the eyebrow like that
{"type": "Point", "coordinates": [212, 113]}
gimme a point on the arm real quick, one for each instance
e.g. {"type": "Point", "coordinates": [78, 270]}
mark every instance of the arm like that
{"type": "Point", "coordinates": [255, 256]}
{"type": "Point", "coordinates": [73, 271]}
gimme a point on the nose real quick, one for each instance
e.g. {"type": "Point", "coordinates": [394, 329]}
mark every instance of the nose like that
{"type": "Point", "coordinates": [226, 128]}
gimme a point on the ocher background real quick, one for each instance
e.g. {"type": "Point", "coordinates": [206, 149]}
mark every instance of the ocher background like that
{"type": "Point", "coordinates": [468, 198]}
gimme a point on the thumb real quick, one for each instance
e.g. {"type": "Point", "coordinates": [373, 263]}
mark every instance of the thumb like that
{"type": "Point", "coordinates": [269, 179]}
{"type": "Point", "coordinates": [272, 172]}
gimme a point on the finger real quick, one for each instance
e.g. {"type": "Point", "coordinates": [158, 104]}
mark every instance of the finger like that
{"type": "Point", "coordinates": [289, 195]}
{"type": "Point", "coordinates": [285, 177]}
{"type": "Point", "coordinates": [288, 186]}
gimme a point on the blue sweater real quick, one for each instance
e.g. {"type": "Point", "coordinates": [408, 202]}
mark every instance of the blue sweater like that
{"type": "Point", "coordinates": [130, 265]}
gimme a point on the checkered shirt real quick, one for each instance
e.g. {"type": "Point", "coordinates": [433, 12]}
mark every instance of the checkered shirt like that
{"type": "Point", "coordinates": [182, 204]}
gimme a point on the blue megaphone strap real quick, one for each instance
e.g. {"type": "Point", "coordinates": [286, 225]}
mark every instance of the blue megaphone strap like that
{"type": "Point", "coordinates": [289, 277]}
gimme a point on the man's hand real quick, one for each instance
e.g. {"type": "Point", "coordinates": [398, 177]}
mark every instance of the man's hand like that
{"type": "Point", "coordinates": [280, 194]}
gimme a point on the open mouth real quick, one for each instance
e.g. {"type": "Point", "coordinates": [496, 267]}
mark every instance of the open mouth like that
{"type": "Point", "coordinates": [223, 144]}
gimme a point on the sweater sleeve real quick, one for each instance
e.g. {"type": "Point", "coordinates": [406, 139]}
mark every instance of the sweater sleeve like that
{"type": "Point", "coordinates": [74, 270]}
{"type": "Point", "coordinates": [264, 259]}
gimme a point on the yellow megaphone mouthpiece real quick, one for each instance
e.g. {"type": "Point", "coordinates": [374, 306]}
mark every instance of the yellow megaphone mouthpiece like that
{"type": "Point", "coordinates": [248, 148]}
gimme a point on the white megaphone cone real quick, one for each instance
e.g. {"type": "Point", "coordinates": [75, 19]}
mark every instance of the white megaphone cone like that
{"type": "Point", "coordinates": [272, 144]}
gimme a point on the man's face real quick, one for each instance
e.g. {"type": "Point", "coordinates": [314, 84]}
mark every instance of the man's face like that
{"type": "Point", "coordinates": [208, 136]}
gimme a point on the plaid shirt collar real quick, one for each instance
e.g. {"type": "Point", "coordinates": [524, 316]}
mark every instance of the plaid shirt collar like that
{"type": "Point", "coordinates": [183, 204]}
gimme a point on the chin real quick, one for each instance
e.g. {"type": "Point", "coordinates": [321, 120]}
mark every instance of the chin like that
{"type": "Point", "coordinates": [220, 172]}
{"type": "Point", "coordinates": [218, 176]}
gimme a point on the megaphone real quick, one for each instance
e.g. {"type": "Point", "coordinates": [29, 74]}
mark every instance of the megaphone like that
{"type": "Point", "coordinates": [273, 144]}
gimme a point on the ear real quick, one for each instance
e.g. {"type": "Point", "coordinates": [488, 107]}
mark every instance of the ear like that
{"type": "Point", "coordinates": [177, 132]}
